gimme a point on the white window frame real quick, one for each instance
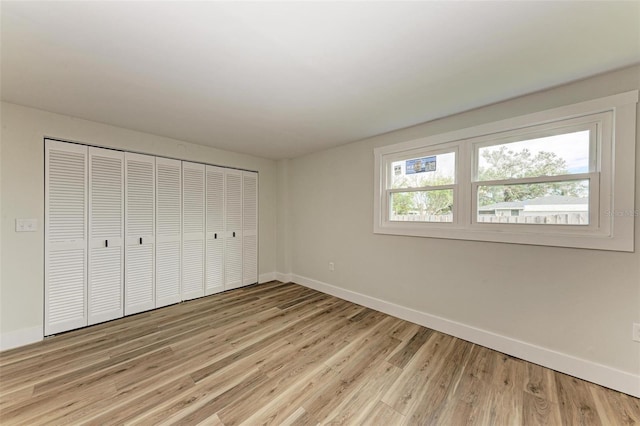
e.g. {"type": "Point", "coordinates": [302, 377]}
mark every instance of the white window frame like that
{"type": "Point", "coordinates": [611, 121]}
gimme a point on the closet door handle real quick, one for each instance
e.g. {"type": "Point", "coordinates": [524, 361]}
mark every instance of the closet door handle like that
{"type": "Point", "coordinates": [140, 240]}
{"type": "Point", "coordinates": [234, 234]}
{"type": "Point", "coordinates": [106, 243]}
{"type": "Point", "coordinates": [215, 236]}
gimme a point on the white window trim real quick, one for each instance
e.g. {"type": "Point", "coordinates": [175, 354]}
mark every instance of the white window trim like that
{"type": "Point", "coordinates": [612, 216]}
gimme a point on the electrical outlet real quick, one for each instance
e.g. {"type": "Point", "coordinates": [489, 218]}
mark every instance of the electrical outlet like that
{"type": "Point", "coordinates": [636, 332]}
{"type": "Point", "coordinates": [331, 267]}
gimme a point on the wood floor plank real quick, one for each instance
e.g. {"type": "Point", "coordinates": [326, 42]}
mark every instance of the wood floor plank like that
{"type": "Point", "coordinates": [508, 372]}
{"type": "Point", "coordinates": [382, 414]}
{"type": "Point", "coordinates": [404, 330]}
{"type": "Point", "coordinates": [299, 417]}
{"type": "Point", "coordinates": [279, 410]}
{"type": "Point", "coordinates": [432, 401]}
{"type": "Point", "coordinates": [460, 413]}
{"type": "Point", "coordinates": [105, 370]}
{"type": "Point", "coordinates": [183, 404]}
{"type": "Point", "coordinates": [124, 406]}
{"type": "Point", "coordinates": [416, 375]}
{"type": "Point", "coordinates": [364, 397]}
{"type": "Point", "coordinates": [504, 406]}
{"type": "Point", "coordinates": [348, 377]}
{"type": "Point", "coordinates": [469, 399]}
{"type": "Point", "coordinates": [540, 382]}
{"type": "Point", "coordinates": [284, 354]}
{"type": "Point", "coordinates": [539, 411]}
{"type": "Point", "coordinates": [400, 358]}
{"type": "Point", "coordinates": [615, 408]}
{"type": "Point", "coordinates": [577, 406]}
{"type": "Point", "coordinates": [238, 392]}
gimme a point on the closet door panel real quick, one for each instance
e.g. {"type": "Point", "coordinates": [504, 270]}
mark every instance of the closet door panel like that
{"type": "Point", "coordinates": [249, 228]}
{"type": "Point", "coordinates": [65, 236]}
{"type": "Point", "coordinates": [214, 265]}
{"type": "Point", "coordinates": [168, 230]}
{"type": "Point", "coordinates": [233, 229]}
{"type": "Point", "coordinates": [139, 269]}
{"type": "Point", "coordinates": [193, 225]}
{"type": "Point", "coordinates": [106, 229]}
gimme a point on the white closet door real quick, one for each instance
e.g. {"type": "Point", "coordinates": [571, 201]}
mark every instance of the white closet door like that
{"type": "Point", "coordinates": [65, 280]}
{"type": "Point", "coordinates": [168, 230]}
{"type": "Point", "coordinates": [233, 229]}
{"type": "Point", "coordinates": [139, 271]}
{"type": "Point", "coordinates": [193, 218]}
{"type": "Point", "coordinates": [249, 228]}
{"type": "Point", "coordinates": [106, 231]}
{"type": "Point", "coordinates": [214, 264]}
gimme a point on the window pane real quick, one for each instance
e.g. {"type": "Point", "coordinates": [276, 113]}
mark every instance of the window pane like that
{"type": "Point", "coordinates": [422, 206]}
{"type": "Point", "coordinates": [423, 171]}
{"type": "Point", "coordinates": [550, 156]}
{"type": "Point", "coordinates": [555, 203]}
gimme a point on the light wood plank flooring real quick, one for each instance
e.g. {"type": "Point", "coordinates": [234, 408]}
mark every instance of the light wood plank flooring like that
{"type": "Point", "coordinates": [284, 354]}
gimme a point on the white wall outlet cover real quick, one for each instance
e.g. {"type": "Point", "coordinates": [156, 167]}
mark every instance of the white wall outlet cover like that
{"type": "Point", "coordinates": [26, 225]}
{"type": "Point", "coordinates": [636, 332]}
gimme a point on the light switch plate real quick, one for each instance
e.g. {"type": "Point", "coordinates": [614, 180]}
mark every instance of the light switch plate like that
{"type": "Point", "coordinates": [26, 225]}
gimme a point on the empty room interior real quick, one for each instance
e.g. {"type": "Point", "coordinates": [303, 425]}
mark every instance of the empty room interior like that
{"type": "Point", "coordinates": [288, 213]}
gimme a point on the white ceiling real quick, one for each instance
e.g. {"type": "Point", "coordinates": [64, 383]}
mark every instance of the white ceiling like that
{"type": "Point", "coordinates": [279, 80]}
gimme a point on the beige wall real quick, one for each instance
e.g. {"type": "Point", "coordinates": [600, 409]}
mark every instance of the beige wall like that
{"type": "Point", "coordinates": [577, 302]}
{"type": "Point", "coordinates": [283, 237]}
{"type": "Point", "coordinates": [22, 193]}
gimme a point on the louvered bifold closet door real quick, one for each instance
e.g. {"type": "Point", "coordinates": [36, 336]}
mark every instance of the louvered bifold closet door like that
{"type": "Point", "coordinates": [106, 232]}
{"type": "Point", "coordinates": [139, 271]}
{"type": "Point", "coordinates": [233, 229]}
{"type": "Point", "coordinates": [249, 228]}
{"type": "Point", "coordinates": [214, 264]}
{"type": "Point", "coordinates": [65, 279]}
{"type": "Point", "coordinates": [168, 230]}
{"type": "Point", "coordinates": [193, 226]}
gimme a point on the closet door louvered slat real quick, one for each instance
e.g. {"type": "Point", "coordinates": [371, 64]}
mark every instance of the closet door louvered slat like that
{"type": "Point", "coordinates": [168, 230]}
{"type": "Point", "coordinates": [106, 232]}
{"type": "Point", "coordinates": [214, 265]}
{"type": "Point", "coordinates": [193, 226]}
{"type": "Point", "coordinates": [65, 236]}
{"type": "Point", "coordinates": [249, 228]}
{"type": "Point", "coordinates": [233, 229]}
{"type": "Point", "coordinates": [139, 269]}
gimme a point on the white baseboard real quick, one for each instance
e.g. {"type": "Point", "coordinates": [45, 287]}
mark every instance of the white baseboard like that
{"type": "Point", "coordinates": [285, 278]}
{"type": "Point", "coordinates": [265, 278]}
{"type": "Point", "coordinates": [564, 363]}
{"type": "Point", "coordinates": [26, 336]}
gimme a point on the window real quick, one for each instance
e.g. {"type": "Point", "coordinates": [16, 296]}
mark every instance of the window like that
{"type": "Point", "coordinates": [421, 188]}
{"type": "Point", "coordinates": [546, 174]}
{"type": "Point", "coordinates": [560, 177]}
